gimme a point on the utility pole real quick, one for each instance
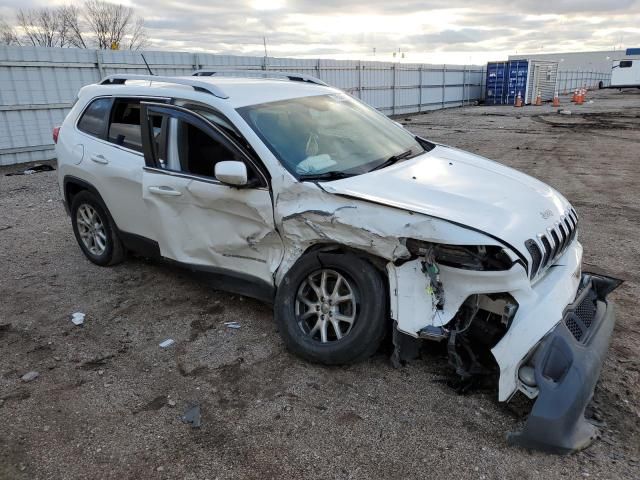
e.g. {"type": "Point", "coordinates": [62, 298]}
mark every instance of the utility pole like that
{"type": "Point", "coordinates": [264, 41]}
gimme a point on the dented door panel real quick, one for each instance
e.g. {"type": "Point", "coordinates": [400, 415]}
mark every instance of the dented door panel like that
{"type": "Point", "coordinates": [211, 224]}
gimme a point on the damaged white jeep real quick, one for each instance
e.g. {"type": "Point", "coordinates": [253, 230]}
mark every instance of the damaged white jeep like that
{"type": "Point", "coordinates": [288, 190]}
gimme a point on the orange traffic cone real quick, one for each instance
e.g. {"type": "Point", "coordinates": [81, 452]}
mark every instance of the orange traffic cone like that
{"type": "Point", "coordinates": [518, 100]}
{"type": "Point", "coordinates": [538, 100]}
{"type": "Point", "coordinates": [574, 98]}
{"type": "Point", "coordinates": [580, 98]}
{"type": "Point", "coordinates": [556, 100]}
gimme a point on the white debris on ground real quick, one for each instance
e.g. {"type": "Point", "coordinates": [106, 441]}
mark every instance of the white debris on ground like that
{"type": "Point", "coordinates": [30, 376]}
{"type": "Point", "coordinates": [78, 318]}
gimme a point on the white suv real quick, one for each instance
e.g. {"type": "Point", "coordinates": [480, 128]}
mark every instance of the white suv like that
{"type": "Point", "coordinates": [288, 190]}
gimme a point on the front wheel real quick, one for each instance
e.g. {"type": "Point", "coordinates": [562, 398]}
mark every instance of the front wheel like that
{"type": "Point", "coordinates": [332, 308]}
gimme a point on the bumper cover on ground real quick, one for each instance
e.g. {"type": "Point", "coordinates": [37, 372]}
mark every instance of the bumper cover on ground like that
{"type": "Point", "coordinates": [567, 365]}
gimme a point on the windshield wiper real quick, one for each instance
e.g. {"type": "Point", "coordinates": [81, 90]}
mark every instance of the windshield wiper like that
{"type": "Point", "coordinates": [392, 159]}
{"type": "Point", "coordinates": [331, 175]}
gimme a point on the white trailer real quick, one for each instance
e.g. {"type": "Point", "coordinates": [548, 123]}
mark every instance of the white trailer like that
{"type": "Point", "coordinates": [625, 73]}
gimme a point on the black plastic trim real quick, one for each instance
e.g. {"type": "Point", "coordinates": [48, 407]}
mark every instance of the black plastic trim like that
{"type": "Point", "coordinates": [230, 281]}
{"type": "Point", "coordinates": [141, 245]}
{"type": "Point", "coordinates": [566, 373]}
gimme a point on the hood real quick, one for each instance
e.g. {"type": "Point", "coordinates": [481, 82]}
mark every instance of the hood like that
{"type": "Point", "coordinates": [464, 188]}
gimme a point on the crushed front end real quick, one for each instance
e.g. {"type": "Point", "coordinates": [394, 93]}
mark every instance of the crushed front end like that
{"type": "Point", "coordinates": [545, 337]}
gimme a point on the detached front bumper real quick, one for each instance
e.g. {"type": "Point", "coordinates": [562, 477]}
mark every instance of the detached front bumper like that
{"type": "Point", "coordinates": [567, 365]}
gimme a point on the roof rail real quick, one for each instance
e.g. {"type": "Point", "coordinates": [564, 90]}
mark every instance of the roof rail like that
{"type": "Point", "coordinates": [199, 86]}
{"type": "Point", "coordinates": [293, 77]}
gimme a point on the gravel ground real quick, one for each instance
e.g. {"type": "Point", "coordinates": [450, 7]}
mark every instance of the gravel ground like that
{"type": "Point", "coordinates": [108, 400]}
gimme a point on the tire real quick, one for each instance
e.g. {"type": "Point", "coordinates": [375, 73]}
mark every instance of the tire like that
{"type": "Point", "coordinates": [107, 247]}
{"type": "Point", "coordinates": [360, 339]}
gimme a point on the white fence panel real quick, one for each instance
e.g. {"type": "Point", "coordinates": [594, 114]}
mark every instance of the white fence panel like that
{"type": "Point", "coordinates": [38, 85]}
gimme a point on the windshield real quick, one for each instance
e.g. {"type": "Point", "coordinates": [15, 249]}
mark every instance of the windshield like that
{"type": "Point", "coordinates": [329, 135]}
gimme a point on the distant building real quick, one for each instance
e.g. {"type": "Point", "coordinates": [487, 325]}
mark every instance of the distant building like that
{"type": "Point", "coordinates": [578, 61]}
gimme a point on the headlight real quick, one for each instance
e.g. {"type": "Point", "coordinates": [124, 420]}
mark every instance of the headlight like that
{"type": "Point", "coordinates": [467, 257]}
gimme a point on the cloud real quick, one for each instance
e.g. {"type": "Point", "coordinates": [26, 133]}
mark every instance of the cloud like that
{"type": "Point", "coordinates": [427, 31]}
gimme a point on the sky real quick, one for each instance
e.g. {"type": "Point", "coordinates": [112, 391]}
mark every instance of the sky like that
{"type": "Point", "coordinates": [453, 31]}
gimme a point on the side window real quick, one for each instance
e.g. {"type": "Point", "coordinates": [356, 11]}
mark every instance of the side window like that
{"type": "Point", "coordinates": [95, 118]}
{"type": "Point", "coordinates": [626, 63]}
{"type": "Point", "coordinates": [124, 128]}
{"type": "Point", "coordinates": [197, 152]}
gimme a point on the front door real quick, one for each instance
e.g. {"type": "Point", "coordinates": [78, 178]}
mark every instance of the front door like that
{"type": "Point", "coordinates": [200, 221]}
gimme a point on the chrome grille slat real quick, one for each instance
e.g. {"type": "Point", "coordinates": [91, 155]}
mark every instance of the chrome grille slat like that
{"type": "Point", "coordinates": [564, 234]}
{"type": "Point", "coordinates": [556, 243]}
{"type": "Point", "coordinates": [552, 244]}
{"type": "Point", "coordinates": [547, 251]}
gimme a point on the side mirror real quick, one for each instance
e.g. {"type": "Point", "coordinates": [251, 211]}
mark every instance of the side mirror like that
{"type": "Point", "coordinates": [231, 173]}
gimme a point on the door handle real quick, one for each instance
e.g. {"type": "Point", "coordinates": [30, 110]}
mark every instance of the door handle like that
{"type": "Point", "coordinates": [99, 159]}
{"type": "Point", "coordinates": [164, 190]}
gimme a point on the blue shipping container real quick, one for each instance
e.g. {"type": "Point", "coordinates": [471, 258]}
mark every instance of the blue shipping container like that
{"type": "Point", "coordinates": [505, 80]}
{"type": "Point", "coordinates": [633, 51]}
{"type": "Point", "coordinates": [494, 94]}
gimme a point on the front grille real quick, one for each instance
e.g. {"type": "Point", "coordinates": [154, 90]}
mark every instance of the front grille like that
{"type": "Point", "coordinates": [574, 328]}
{"type": "Point", "coordinates": [580, 319]}
{"type": "Point", "coordinates": [552, 243]}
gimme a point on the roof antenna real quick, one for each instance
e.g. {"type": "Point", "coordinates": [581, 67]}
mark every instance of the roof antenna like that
{"type": "Point", "coordinates": [145, 62]}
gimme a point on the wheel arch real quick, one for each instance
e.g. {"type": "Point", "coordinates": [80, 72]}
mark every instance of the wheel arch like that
{"type": "Point", "coordinates": [378, 262]}
{"type": "Point", "coordinates": [74, 185]}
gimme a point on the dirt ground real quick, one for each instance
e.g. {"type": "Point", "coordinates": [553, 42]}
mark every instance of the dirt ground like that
{"type": "Point", "coordinates": [108, 400]}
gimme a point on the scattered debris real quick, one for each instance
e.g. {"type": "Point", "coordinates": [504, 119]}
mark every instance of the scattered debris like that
{"type": "Point", "coordinates": [171, 403]}
{"type": "Point", "coordinates": [235, 325]}
{"type": "Point", "coordinates": [192, 416]}
{"type": "Point", "coordinates": [96, 363]}
{"type": "Point", "coordinates": [155, 404]}
{"type": "Point", "coordinates": [564, 112]}
{"type": "Point", "coordinates": [167, 343]}
{"type": "Point", "coordinates": [30, 376]}
{"type": "Point", "coordinates": [78, 318]}
{"type": "Point", "coordinates": [30, 171]}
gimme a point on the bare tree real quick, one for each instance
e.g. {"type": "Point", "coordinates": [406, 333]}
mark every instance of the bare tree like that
{"type": "Point", "coordinates": [138, 36]}
{"type": "Point", "coordinates": [72, 25]}
{"type": "Point", "coordinates": [42, 27]}
{"type": "Point", "coordinates": [97, 24]}
{"type": "Point", "coordinates": [8, 35]}
{"type": "Point", "coordinates": [114, 26]}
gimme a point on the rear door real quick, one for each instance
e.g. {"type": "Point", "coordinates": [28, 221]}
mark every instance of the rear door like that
{"type": "Point", "coordinates": [198, 220]}
{"type": "Point", "coordinates": [113, 157]}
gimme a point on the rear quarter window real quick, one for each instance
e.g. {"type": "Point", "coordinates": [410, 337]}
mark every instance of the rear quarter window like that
{"type": "Point", "coordinates": [95, 118]}
{"type": "Point", "coordinates": [124, 129]}
{"type": "Point", "coordinates": [626, 63]}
